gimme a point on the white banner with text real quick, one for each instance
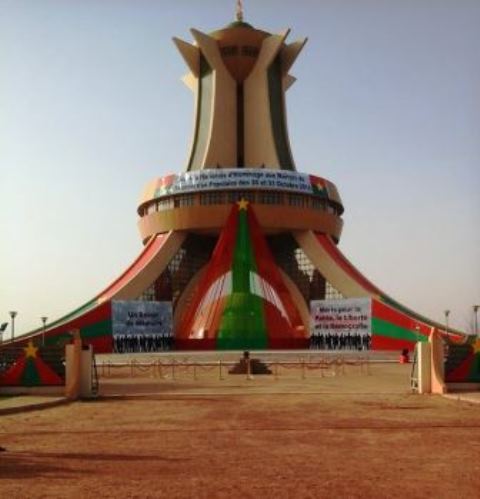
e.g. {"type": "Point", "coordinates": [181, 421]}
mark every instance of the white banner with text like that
{"type": "Point", "coordinates": [348, 316]}
{"type": "Point", "coordinates": [141, 318]}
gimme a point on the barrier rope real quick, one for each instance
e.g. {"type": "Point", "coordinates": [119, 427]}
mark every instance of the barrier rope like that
{"type": "Point", "coordinates": [171, 367]}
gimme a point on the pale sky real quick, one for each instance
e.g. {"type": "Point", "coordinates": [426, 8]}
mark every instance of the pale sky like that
{"type": "Point", "coordinates": [386, 105]}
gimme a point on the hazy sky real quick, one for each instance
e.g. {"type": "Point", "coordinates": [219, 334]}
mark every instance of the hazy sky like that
{"type": "Point", "coordinates": [387, 106]}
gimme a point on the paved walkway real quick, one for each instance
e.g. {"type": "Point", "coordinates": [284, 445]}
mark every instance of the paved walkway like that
{"type": "Point", "coordinates": [472, 397]}
{"type": "Point", "coordinates": [21, 403]}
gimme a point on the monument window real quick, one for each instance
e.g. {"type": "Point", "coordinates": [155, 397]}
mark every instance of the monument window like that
{"type": "Point", "coordinates": [229, 50]}
{"type": "Point", "coordinates": [211, 198]}
{"type": "Point", "coordinates": [271, 198]}
{"type": "Point", "coordinates": [235, 196]}
{"type": "Point", "coordinates": [332, 293]}
{"type": "Point", "coordinates": [184, 201]}
{"type": "Point", "coordinates": [151, 208]}
{"type": "Point", "coordinates": [148, 294]}
{"type": "Point", "coordinates": [165, 204]}
{"type": "Point", "coordinates": [296, 200]}
{"type": "Point", "coordinates": [318, 204]}
{"type": "Point", "coordinates": [250, 51]}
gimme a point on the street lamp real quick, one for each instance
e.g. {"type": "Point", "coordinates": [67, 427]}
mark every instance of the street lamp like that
{"type": "Point", "coordinates": [44, 322]}
{"type": "Point", "coordinates": [13, 314]}
{"type": "Point", "coordinates": [475, 318]}
{"type": "Point", "coordinates": [417, 332]}
{"type": "Point", "coordinates": [447, 313]}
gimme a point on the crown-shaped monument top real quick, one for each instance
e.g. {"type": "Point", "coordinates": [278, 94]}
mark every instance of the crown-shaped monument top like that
{"type": "Point", "coordinates": [239, 75]}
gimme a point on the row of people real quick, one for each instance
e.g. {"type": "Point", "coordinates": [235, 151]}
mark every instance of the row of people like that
{"type": "Point", "coordinates": [130, 343]}
{"type": "Point", "coordinates": [340, 341]}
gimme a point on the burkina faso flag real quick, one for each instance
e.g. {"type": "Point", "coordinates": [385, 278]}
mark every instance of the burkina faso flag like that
{"type": "Point", "coordinates": [319, 186]}
{"type": "Point", "coordinates": [242, 301]}
{"type": "Point", "coordinates": [30, 370]}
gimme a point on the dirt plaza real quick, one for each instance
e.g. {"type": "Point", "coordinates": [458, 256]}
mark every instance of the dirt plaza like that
{"type": "Point", "coordinates": [354, 434]}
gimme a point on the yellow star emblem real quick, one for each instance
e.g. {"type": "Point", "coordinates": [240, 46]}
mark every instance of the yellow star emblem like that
{"type": "Point", "coordinates": [476, 346]}
{"type": "Point", "coordinates": [30, 350]}
{"type": "Point", "coordinates": [242, 204]}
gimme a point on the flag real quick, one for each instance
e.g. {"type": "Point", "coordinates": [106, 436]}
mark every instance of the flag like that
{"type": "Point", "coordinates": [30, 370]}
{"type": "Point", "coordinates": [242, 301]}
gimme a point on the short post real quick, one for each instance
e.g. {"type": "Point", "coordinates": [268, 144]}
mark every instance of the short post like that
{"type": "Point", "coordinates": [246, 358]}
{"type": "Point", "coordinates": [249, 369]}
{"type": "Point", "coordinates": [195, 371]}
{"type": "Point", "coordinates": [303, 368]}
{"type": "Point", "coordinates": [173, 369]}
{"type": "Point", "coordinates": [73, 357]}
{"type": "Point", "coordinates": [424, 367]}
{"type": "Point", "coordinates": [220, 374]}
{"type": "Point", "coordinates": [275, 370]}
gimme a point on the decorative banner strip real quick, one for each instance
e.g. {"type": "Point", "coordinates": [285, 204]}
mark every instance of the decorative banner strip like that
{"type": "Point", "coordinates": [241, 178]}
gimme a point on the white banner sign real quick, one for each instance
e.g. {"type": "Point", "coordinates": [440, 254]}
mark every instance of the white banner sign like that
{"type": "Point", "coordinates": [141, 318]}
{"type": "Point", "coordinates": [352, 315]}
{"type": "Point", "coordinates": [245, 178]}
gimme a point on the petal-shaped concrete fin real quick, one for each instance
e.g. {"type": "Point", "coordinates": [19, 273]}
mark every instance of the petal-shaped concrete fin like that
{"type": "Point", "coordinates": [288, 81]}
{"type": "Point", "coordinates": [191, 55]}
{"type": "Point", "coordinates": [290, 53]}
{"type": "Point", "coordinates": [209, 48]}
{"type": "Point", "coordinates": [270, 48]}
{"type": "Point", "coordinates": [190, 81]}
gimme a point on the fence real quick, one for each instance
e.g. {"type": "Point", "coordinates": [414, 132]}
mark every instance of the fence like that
{"type": "Point", "coordinates": [174, 369]}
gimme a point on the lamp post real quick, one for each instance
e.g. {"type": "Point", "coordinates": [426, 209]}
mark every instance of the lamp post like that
{"type": "Point", "coordinates": [13, 314]}
{"type": "Point", "coordinates": [447, 313]}
{"type": "Point", "coordinates": [475, 318]}
{"type": "Point", "coordinates": [44, 322]}
{"type": "Point", "coordinates": [417, 332]}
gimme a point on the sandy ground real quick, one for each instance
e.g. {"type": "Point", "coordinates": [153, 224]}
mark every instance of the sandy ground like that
{"type": "Point", "coordinates": [349, 435]}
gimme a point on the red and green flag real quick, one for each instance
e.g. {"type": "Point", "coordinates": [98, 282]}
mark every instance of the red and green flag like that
{"type": "Point", "coordinates": [241, 301]}
{"type": "Point", "coordinates": [319, 186]}
{"type": "Point", "coordinates": [164, 185]}
{"type": "Point", "coordinates": [463, 362]}
{"type": "Point", "coordinates": [30, 370]}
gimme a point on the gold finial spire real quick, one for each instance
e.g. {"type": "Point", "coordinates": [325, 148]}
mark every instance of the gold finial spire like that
{"type": "Point", "coordinates": [239, 12]}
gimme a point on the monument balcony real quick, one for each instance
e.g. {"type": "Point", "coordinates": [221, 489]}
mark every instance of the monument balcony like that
{"type": "Point", "coordinates": [206, 212]}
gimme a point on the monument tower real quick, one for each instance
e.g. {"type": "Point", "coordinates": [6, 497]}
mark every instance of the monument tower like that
{"type": "Point", "coordinates": [241, 243]}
